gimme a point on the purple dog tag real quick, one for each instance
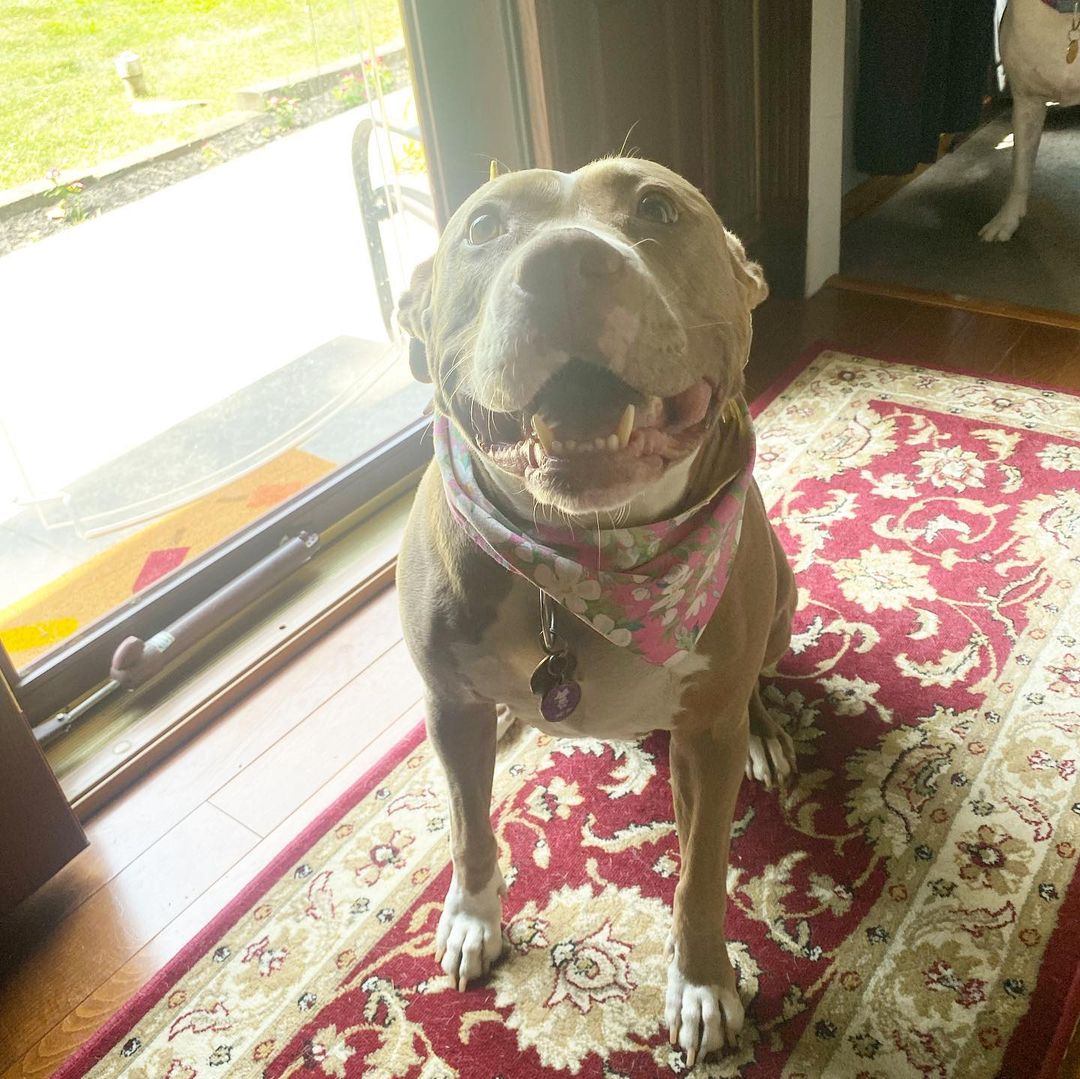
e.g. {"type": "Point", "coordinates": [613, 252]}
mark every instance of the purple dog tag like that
{"type": "Point", "coordinates": [560, 701]}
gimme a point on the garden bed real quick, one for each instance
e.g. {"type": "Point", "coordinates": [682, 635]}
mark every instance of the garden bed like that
{"type": "Point", "coordinates": [38, 210]}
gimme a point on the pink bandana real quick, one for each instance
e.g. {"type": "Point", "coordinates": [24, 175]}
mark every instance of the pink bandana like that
{"type": "Point", "coordinates": [651, 589]}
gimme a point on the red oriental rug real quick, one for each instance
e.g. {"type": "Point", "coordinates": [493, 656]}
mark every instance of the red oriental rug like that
{"type": "Point", "coordinates": [909, 908]}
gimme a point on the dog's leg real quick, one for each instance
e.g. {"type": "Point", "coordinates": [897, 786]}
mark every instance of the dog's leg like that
{"type": "Point", "coordinates": [1029, 114]}
{"type": "Point", "coordinates": [703, 1010]}
{"type": "Point", "coordinates": [770, 758]}
{"type": "Point", "coordinates": [469, 936]}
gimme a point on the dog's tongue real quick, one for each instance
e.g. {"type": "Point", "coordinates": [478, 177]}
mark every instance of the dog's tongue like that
{"type": "Point", "coordinates": [687, 408]}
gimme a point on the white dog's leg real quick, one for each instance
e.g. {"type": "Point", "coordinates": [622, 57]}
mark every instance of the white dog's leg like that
{"type": "Point", "coordinates": [1029, 114]}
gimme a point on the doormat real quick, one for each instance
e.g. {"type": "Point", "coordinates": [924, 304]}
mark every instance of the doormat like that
{"type": "Point", "coordinates": [40, 621]}
{"type": "Point", "coordinates": [909, 907]}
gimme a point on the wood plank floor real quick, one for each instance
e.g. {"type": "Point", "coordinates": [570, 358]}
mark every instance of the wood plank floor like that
{"type": "Point", "coordinates": [171, 852]}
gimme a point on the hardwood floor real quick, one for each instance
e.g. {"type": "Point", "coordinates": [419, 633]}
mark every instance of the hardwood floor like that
{"type": "Point", "coordinates": [170, 852]}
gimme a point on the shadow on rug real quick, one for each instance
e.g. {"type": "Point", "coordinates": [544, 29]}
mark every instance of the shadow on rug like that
{"type": "Point", "coordinates": [907, 908]}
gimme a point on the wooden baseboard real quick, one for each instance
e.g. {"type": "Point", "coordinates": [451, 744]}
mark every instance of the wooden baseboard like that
{"type": "Point", "coordinates": [963, 303]}
{"type": "Point", "coordinates": [872, 192]}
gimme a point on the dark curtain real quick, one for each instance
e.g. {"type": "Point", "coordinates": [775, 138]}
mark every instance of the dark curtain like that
{"type": "Point", "coordinates": [923, 70]}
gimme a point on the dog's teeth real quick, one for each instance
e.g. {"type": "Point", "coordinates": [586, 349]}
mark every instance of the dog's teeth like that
{"type": "Point", "coordinates": [626, 426]}
{"type": "Point", "coordinates": [544, 433]}
{"type": "Point", "coordinates": [570, 445]}
{"type": "Point", "coordinates": [585, 447]}
{"type": "Point", "coordinates": [613, 442]}
{"type": "Point", "coordinates": [600, 443]}
{"type": "Point", "coordinates": [556, 446]}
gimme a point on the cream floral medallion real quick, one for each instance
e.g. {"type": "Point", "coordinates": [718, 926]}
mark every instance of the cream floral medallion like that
{"type": "Point", "coordinates": [587, 968]}
{"type": "Point", "coordinates": [896, 912]}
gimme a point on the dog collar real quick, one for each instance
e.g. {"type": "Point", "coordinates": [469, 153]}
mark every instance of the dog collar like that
{"type": "Point", "coordinates": [650, 589]}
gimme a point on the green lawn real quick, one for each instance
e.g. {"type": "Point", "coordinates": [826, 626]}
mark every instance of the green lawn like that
{"type": "Point", "coordinates": [63, 106]}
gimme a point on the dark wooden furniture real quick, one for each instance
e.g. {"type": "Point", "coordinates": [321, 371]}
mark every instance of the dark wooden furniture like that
{"type": "Point", "coordinates": [38, 831]}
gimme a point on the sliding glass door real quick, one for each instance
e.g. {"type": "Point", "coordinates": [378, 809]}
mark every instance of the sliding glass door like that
{"type": "Point", "coordinates": [199, 259]}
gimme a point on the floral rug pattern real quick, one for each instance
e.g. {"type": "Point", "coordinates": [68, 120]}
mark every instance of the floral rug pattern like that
{"type": "Point", "coordinates": [903, 909]}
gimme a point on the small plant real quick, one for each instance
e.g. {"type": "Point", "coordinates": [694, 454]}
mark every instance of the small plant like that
{"type": "Point", "coordinates": [66, 199]}
{"type": "Point", "coordinates": [354, 87]}
{"type": "Point", "coordinates": [349, 91]}
{"type": "Point", "coordinates": [284, 111]}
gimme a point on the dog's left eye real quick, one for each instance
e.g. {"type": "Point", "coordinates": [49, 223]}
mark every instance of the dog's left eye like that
{"type": "Point", "coordinates": [657, 208]}
{"type": "Point", "coordinates": [484, 228]}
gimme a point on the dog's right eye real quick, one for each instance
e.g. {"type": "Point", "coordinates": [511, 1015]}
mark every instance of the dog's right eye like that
{"type": "Point", "coordinates": [484, 228]}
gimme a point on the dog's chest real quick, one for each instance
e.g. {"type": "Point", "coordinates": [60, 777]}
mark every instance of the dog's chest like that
{"type": "Point", "coordinates": [622, 695]}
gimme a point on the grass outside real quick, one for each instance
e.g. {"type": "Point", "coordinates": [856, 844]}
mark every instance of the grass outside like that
{"type": "Point", "coordinates": [64, 106]}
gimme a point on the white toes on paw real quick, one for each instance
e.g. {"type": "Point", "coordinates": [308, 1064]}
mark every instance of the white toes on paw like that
{"type": "Point", "coordinates": [466, 947]}
{"type": "Point", "coordinates": [1000, 228]}
{"type": "Point", "coordinates": [469, 936]}
{"type": "Point", "coordinates": [770, 759]}
{"type": "Point", "coordinates": [701, 1018]}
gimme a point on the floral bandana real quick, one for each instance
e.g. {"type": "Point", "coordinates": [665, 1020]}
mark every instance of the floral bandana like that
{"type": "Point", "coordinates": [651, 589]}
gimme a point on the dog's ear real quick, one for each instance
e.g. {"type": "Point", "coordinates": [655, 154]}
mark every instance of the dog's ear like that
{"type": "Point", "coordinates": [749, 275]}
{"type": "Point", "coordinates": [414, 317]}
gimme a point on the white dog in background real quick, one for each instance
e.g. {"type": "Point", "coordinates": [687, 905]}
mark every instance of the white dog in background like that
{"type": "Point", "coordinates": [1040, 41]}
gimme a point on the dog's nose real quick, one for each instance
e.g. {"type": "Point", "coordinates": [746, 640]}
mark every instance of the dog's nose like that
{"type": "Point", "coordinates": [557, 261]}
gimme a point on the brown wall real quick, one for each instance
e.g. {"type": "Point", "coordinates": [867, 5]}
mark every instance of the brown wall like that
{"type": "Point", "coordinates": [716, 89]}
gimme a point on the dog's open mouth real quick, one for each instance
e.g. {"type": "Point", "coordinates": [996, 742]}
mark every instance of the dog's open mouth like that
{"type": "Point", "coordinates": [588, 429]}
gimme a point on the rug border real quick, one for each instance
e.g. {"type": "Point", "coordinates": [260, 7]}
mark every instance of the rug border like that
{"type": "Point", "coordinates": [102, 1041]}
{"type": "Point", "coordinates": [97, 1046]}
{"type": "Point", "coordinates": [1037, 1025]}
{"type": "Point", "coordinates": [1056, 1036]}
{"type": "Point", "coordinates": [825, 344]}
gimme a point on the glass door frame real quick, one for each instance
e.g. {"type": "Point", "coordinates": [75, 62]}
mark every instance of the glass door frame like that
{"type": "Point", "coordinates": [74, 668]}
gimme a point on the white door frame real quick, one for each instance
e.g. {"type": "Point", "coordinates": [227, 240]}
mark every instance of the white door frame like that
{"type": "Point", "coordinates": [826, 156]}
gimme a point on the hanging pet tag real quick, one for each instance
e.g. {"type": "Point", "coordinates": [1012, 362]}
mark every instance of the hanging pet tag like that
{"type": "Point", "coordinates": [1071, 51]}
{"type": "Point", "coordinates": [560, 701]}
{"type": "Point", "coordinates": [553, 679]}
{"type": "Point", "coordinates": [553, 683]}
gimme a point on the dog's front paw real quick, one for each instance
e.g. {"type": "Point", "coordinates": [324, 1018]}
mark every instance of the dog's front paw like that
{"type": "Point", "coordinates": [770, 752]}
{"type": "Point", "coordinates": [469, 936]}
{"type": "Point", "coordinates": [770, 758]}
{"type": "Point", "coordinates": [1001, 226]}
{"type": "Point", "coordinates": [701, 1018]}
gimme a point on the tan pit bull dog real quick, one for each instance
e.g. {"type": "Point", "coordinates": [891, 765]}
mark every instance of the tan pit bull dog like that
{"type": "Point", "coordinates": [586, 336]}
